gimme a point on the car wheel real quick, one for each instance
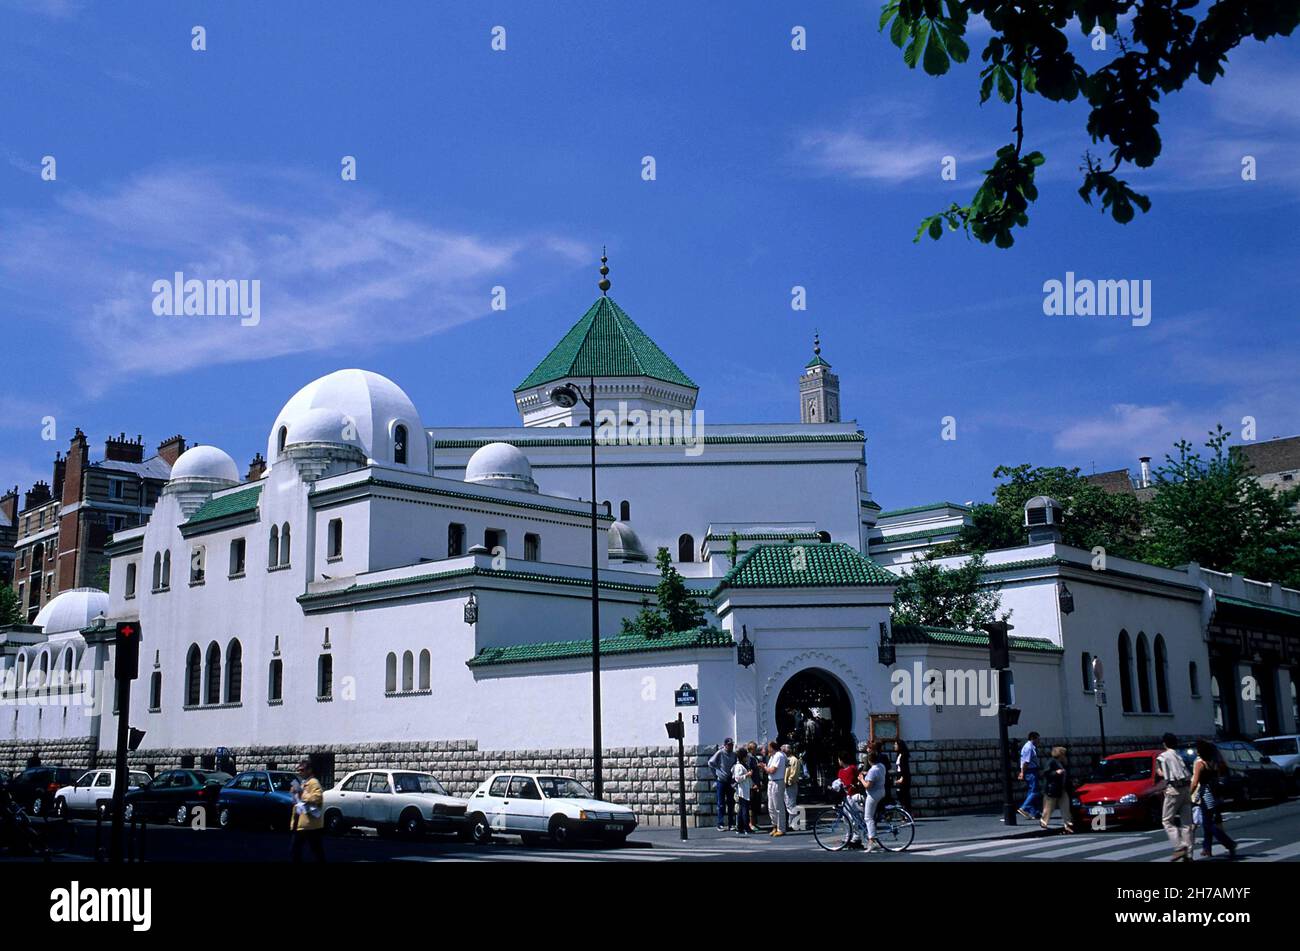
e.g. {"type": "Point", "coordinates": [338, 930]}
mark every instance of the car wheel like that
{"type": "Point", "coordinates": [335, 824]}
{"type": "Point", "coordinates": [225, 818]}
{"type": "Point", "coordinates": [411, 824]}
{"type": "Point", "coordinates": [559, 830]}
{"type": "Point", "coordinates": [479, 830]}
{"type": "Point", "coordinates": [60, 808]}
{"type": "Point", "coordinates": [38, 805]}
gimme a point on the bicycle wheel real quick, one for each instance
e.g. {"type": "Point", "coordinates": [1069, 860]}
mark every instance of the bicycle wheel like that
{"type": "Point", "coordinates": [895, 828]}
{"type": "Point", "coordinates": [832, 830]}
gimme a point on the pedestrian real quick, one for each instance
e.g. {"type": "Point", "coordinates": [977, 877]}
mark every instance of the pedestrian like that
{"type": "Point", "coordinates": [742, 780]}
{"type": "Point", "coordinates": [873, 785]}
{"type": "Point", "coordinates": [793, 773]}
{"type": "Point", "coordinates": [307, 823]}
{"type": "Point", "coordinates": [1206, 794]}
{"type": "Point", "coordinates": [1056, 788]}
{"type": "Point", "coordinates": [1176, 814]}
{"type": "Point", "coordinates": [775, 769]}
{"type": "Point", "coordinates": [903, 773]}
{"type": "Point", "coordinates": [1031, 808]}
{"type": "Point", "coordinates": [721, 762]}
{"type": "Point", "coordinates": [758, 785]}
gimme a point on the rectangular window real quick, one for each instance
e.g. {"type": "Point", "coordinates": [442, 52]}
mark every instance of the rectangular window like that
{"type": "Point", "coordinates": [455, 540]}
{"type": "Point", "coordinates": [238, 549]}
{"type": "Point", "coordinates": [335, 538]}
{"type": "Point", "coordinates": [494, 538]}
{"type": "Point", "coordinates": [130, 580]}
{"type": "Point", "coordinates": [117, 489]}
{"type": "Point", "coordinates": [532, 547]}
{"type": "Point", "coordinates": [116, 523]}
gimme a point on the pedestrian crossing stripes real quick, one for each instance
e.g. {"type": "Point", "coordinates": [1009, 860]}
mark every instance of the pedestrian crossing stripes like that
{"type": "Point", "coordinates": [1100, 848]}
{"type": "Point", "coordinates": [604, 855]}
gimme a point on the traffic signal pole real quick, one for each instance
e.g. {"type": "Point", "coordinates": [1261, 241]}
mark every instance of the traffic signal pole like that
{"type": "Point", "coordinates": [119, 779]}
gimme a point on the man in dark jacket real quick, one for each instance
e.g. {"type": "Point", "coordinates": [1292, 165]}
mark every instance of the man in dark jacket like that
{"type": "Point", "coordinates": [721, 763]}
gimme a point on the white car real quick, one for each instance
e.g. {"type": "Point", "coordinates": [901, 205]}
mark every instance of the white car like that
{"type": "Point", "coordinates": [533, 805]}
{"type": "Point", "coordinates": [392, 799]}
{"type": "Point", "coordinates": [93, 792]}
{"type": "Point", "coordinates": [1285, 751]}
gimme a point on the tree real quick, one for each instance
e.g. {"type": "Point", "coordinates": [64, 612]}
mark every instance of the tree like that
{"type": "Point", "coordinates": [100, 578]}
{"type": "Point", "coordinates": [1160, 46]}
{"type": "Point", "coordinates": [1212, 511]}
{"type": "Point", "coordinates": [933, 595]}
{"type": "Point", "coordinates": [676, 608]}
{"type": "Point", "coordinates": [10, 610]}
{"type": "Point", "coordinates": [1093, 516]}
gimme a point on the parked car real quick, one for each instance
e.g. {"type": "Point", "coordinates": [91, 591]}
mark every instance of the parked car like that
{"type": "Point", "coordinates": [400, 799]}
{"type": "Point", "coordinates": [176, 795]}
{"type": "Point", "coordinates": [1285, 751]}
{"type": "Point", "coordinates": [533, 805]}
{"type": "Point", "coordinates": [93, 791]}
{"type": "Point", "coordinates": [1251, 774]}
{"type": "Point", "coordinates": [33, 789]}
{"type": "Point", "coordinates": [257, 798]}
{"type": "Point", "coordinates": [1125, 788]}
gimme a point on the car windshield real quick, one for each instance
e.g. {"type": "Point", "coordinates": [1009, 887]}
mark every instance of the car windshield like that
{"type": "Point", "coordinates": [1282, 746]}
{"type": "Point", "coordinates": [283, 782]}
{"type": "Point", "coordinates": [206, 777]}
{"type": "Point", "coordinates": [1127, 769]}
{"type": "Point", "coordinates": [417, 783]}
{"type": "Point", "coordinates": [561, 787]}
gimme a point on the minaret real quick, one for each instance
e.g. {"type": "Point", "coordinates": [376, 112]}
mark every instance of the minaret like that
{"type": "Point", "coordinates": [819, 390]}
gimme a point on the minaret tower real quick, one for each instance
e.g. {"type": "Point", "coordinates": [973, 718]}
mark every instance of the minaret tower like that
{"type": "Point", "coordinates": [819, 390]}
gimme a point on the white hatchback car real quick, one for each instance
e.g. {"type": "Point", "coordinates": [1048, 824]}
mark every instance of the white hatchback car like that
{"type": "Point", "coordinates": [533, 805]}
{"type": "Point", "coordinates": [398, 799]}
{"type": "Point", "coordinates": [93, 792]}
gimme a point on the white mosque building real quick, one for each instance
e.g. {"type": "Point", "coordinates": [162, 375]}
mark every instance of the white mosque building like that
{"type": "Point", "coordinates": [389, 592]}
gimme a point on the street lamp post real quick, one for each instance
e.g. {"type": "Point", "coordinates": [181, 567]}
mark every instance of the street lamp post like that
{"type": "Point", "coordinates": [568, 396]}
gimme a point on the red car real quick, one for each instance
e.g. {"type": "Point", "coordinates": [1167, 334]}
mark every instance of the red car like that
{"type": "Point", "coordinates": [1125, 788]}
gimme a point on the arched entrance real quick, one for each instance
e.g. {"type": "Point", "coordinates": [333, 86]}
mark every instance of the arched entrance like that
{"type": "Point", "coordinates": [814, 713]}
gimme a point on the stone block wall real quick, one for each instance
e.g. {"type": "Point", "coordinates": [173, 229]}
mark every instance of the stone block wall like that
{"type": "Point", "coordinates": [69, 752]}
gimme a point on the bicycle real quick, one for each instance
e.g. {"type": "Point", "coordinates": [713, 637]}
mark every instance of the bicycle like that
{"type": "Point", "coordinates": [834, 830]}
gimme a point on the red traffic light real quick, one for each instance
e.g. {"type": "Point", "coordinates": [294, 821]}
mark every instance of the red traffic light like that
{"type": "Point", "coordinates": [126, 630]}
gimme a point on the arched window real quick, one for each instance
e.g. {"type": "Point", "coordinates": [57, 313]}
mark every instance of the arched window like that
{"type": "Point", "coordinates": [390, 673]}
{"type": "Point", "coordinates": [1194, 678]}
{"type": "Point", "coordinates": [69, 664]}
{"type": "Point", "coordinates": [212, 683]}
{"type": "Point", "coordinates": [624, 510]}
{"type": "Point", "coordinates": [21, 680]}
{"type": "Point", "coordinates": [273, 549]}
{"type": "Point", "coordinates": [285, 550]}
{"type": "Point", "coordinates": [408, 671]}
{"type": "Point", "coordinates": [1144, 673]}
{"type": "Point", "coordinates": [1086, 670]}
{"type": "Point", "coordinates": [1162, 675]}
{"type": "Point", "coordinates": [157, 571]}
{"type": "Point", "coordinates": [234, 672]}
{"type": "Point", "coordinates": [193, 676]}
{"type": "Point", "coordinates": [279, 440]}
{"type": "Point", "coordinates": [399, 445]}
{"type": "Point", "coordinates": [43, 671]}
{"type": "Point", "coordinates": [130, 580]}
{"type": "Point", "coordinates": [824, 538]}
{"type": "Point", "coordinates": [275, 681]}
{"type": "Point", "coordinates": [155, 690]}
{"type": "Point", "coordinates": [424, 670]}
{"type": "Point", "coordinates": [1125, 672]}
{"type": "Point", "coordinates": [198, 559]}
{"type": "Point", "coordinates": [325, 677]}
{"type": "Point", "coordinates": [609, 508]}
{"type": "Point", "coordinates": [686, 548]}
{"type": "Point", "coordinates": [167, 569]}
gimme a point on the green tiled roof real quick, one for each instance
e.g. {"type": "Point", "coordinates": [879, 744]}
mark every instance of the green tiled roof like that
{"type": "Point", "coordinates": [926, 634]}
{"type": "Point", "coordinates": [919, 533]}
{"type": "Point", "coordinates": [721, 440]}
{"type": "Point", "coordinates": [617, 644]}
{"type": "Point", "coordinates": [832, 564]}
{"type": "Point", "coordinates": [236, 503]}
{"type": "Point", "coordinates": [1256, 605]}
{"type": "Point", "coordinates": [605, 342]}
{"type": "Point", "coordinates": [924, 508]}
{"type": "Point", "coordinates": [816, 361]}
{"type": "Point", "coordinates": [762, 536]}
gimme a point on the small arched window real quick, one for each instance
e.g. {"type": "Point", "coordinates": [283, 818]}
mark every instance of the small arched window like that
{"type": "Point", "coordinates": [325, 677]}
{"type": "Point", "coordinates": [686, 548]}
{"type": "Point", "coordinates": [234, 672]}
{"type": "Point", "coordinates": [1194, 678]}
{"type": "Point", "coordinates": [1144, 673]}
{"type": "Point", "coordinates": [155, 690]}
{"type": "Point", "coordinates": [212, 686]}
{"type": "Point", "coordinates": [399, 445]}
{"type": "Point", "coordinates": [157, 571]}
{"type": "Point", "coordinates": [167, 569]}
{"type": "Point", "coordinates": [273, 549]}
{"type": "Point", "coordinates": [824, 538]}
{"type": "Point", "coordinates": [275, 681]}
{"type": "Point", "coordinates": [285, 549]}
{"type": "Point", "coordinates": [609, 508]}
{"type": "Point", "coordinates": [390, 673]}
{"type": "Point", "coordinates": [1162, 675]}
{"type": "Point", "coordinates": [624, 510]}
{"type": "Point", "coordinates": [408, 671]}
{"type": "Point", "coordinates": [1085, 664]}
{"type": "Point", "coordinates": [279, 440]}
{"type": "Point", "coordinates": [193, 676]}
{"type": "Point", "coordinates": [43, 666]}
{"type": "Point", "coordinates": [424, 670]}
{"type": "Point", "coordinates": [1125, 672]}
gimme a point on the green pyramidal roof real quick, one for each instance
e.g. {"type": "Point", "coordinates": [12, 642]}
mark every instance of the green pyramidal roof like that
{"type": "Point", "coordinates": [605, 342]}
{"type": "Point", "coordinates": [823, 564]}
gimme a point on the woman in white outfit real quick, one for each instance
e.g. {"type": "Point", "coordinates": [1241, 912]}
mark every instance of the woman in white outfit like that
{"type": "Point", "coordinates": [873, 781]}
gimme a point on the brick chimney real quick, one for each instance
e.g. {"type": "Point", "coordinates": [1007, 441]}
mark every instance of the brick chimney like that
{"type": "Point", "coordinates": [60, 468]}
{"type": "Point", "coordinates": [70, 522]}
{"type": "Point", "coordinates": [9, 505]}
{"type": "Point", "coordinates": [123, 449]}
{"type": "Point", "coordinates": [76, 461]}
{"type": "Point", "coordinates": [256, 468]}
{"type": "Point", "coordinates": [169, 450]}
{"type": "Point", "coordinates": [38, 494]}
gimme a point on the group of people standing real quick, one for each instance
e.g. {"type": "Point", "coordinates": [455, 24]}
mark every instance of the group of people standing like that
{"type": "Point", "coordinates": [743, 776]}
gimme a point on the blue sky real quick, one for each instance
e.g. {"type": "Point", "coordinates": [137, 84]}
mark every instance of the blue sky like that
{"type": "Point", "coordinates": [478, 168]}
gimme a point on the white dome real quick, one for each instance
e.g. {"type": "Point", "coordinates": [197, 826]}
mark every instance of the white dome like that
{"type": "Point", "coordinates": [372, 405]}
{"type": "Point", "coordinates": [502, 465]}
{"type": "Point", "coordinates": [624, 544]}
{"type": "Point", "coordinates": [72, 610]}
{"type": "Point", "coordinates": [205, 462]}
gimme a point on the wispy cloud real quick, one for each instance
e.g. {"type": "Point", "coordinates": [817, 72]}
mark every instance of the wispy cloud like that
{"type": "Point", "coordinates": [337, 268]}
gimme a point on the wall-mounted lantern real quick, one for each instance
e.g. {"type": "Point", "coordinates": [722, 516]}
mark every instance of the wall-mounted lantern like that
{"type": "Point", "coordinates": [471, 609]}
{"type": "Point", "coordinates": [745, 650]}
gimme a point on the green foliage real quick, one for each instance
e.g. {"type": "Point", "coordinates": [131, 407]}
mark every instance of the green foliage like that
{"type": "Point", "coordinates": [1162, 46]}
{"type": "Point", "coordinates": [1212, 511]}
{"type": "Point", "coordinates": [10, 611]}
{"type": "Point", "coordinates": [931, 594]}
{"type": "Point", "coordinates": [100, 578]}
{"type": "Point", "coordinates": [676, 610]}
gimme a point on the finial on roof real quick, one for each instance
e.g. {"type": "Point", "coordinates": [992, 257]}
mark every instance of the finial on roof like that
{"type": "Point", "coordinates": [817, 343]}
{"type": "Point", "coordinates": [604, 272]}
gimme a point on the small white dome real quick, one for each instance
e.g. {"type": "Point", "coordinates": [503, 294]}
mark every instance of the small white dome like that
{"type": "Point", "coordinates": [72, 610]}
{"type": "Point", "coordinates": [322, 425]}
{"type": "Point", "coordinates": [205, 462]}
{"type": "Point", "coordinates": [624, 544]}
{"type": "Point", "coordinates": [502, 465]}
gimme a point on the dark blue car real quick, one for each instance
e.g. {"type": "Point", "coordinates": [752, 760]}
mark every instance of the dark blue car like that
{"type": "Point", "coordinates": [259, 798]}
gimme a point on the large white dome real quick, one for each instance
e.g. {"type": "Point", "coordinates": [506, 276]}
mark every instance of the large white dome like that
{"type": "Point", "coordinates": [373, 408]}
{"type": "Point", "coordinates": [205, 462]}
{"type": "Point", "coordinates": [72, 610]}
{"type": "Point", "coordinates": [502, 465]}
